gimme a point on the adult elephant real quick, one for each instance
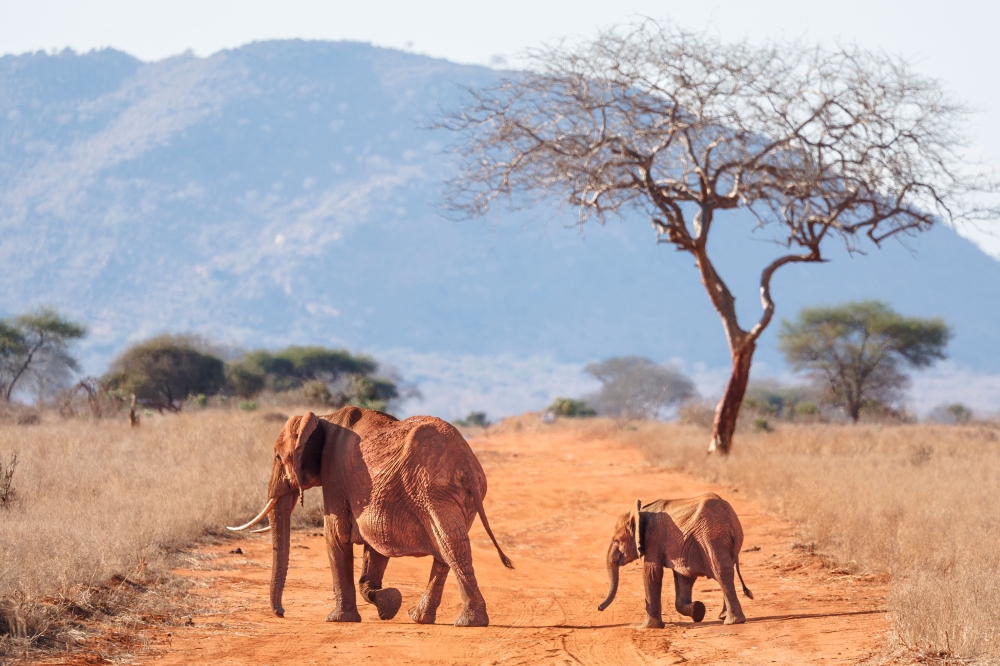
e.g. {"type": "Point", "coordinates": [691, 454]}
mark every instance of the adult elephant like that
{"type": "Point", "coordinates": [410, 487]}
{"type": "Point", "coordinates": [698, 536]}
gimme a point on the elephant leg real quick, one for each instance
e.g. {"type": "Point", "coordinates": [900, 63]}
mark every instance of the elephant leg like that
{"type": "Point", "coordinates": [341, 554]}
{"type": "Point", "coordinates": [450, 530]}
{"type": "Point", "coordinates": [387, 601]}
{"type": "Point", "coordinates": [732, 612]}
{"type": "Point", "coordinates": [652, 576]}
{"type": "Point", "coordinates": [473, 604]}
{"type": "Point", "coordinates": [425, 612]}
{"type": "Point", "coordinates": [683, 590]}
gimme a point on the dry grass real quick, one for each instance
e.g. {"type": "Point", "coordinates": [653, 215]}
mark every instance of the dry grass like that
{"type": "Point", "coordinates": [916, 501]}
{"type": "Point", "coordinates": [101, 506]}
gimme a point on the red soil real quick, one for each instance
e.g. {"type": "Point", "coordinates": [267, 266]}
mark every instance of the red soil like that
{"type": "Point", "coordinates": [552, 501]}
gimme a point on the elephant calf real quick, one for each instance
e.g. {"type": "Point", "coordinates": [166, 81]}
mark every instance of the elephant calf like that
{"type": "Point", "coordinates": [700, 536]}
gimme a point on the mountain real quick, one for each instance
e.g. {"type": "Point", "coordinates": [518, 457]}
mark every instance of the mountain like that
{"type": "Point", "coordinates": [288, 192]}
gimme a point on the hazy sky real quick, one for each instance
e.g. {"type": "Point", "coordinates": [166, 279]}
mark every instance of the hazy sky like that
{"type": "Point", "coordinates": [955, 41]}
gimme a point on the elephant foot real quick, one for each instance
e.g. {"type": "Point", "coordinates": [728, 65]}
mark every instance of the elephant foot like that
{"type": "Point", "coordinates": [338, 615]}
{"type": "Point", "coordinates": [695, 611]}
{"type": "Point", "coordinates": [733, 618]}
{"type": "Point", "coordinates": [473, 618]}
{"type": "Point", "coordinates": [652, 623]}
{"type": "Point", "coordinates": [422, 616]}
{"type": "Point", "coordinates": [387, 602]}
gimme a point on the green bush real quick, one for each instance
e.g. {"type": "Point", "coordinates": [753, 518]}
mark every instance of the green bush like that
{"type": "Point", "coordinates": [317, 392]}
{"type": "Point", "coordinates": [330, 377]}
{"type": "Point", "coordinates": [571, 408]}
{"type": "Point", "coordinates": [474, 420]}
{"type": "Point", "coordinates": [245, 380]}
{"type": "Point", "coordinates": [953, 414]}
{"type": "Point", "coordinates": [960, 413]}
{"type": "Point", "coordinates": [806, 409]}
{"type": "Point", "coordinates": [292, 367]}
{"type": "Point", "coordinates": [249, 405]}
{"type": "Point", "coordinates": [166, 368]}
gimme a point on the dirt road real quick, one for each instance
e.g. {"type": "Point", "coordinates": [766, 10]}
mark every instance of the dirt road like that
{"type": "Point", "coordinates": [552, 501]}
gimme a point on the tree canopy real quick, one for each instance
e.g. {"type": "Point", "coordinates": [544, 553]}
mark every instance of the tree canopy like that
{"type": "Point", "coordinates": [858, 350]}
{"type": "Point", "coordinates": [291, 367]}
{"type": "Point", "coordinates": [635, 387]}
{"type": "Point", "coordinates": [166, 368]}
{"type": "Point", "coordinates": [35, 347]}
{"type": "Point", "coordinates": [328, 376]}
{"type": "Point", "coordinates": [817, 145]}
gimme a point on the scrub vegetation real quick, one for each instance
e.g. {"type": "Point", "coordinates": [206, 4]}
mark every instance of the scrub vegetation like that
{"type": "Point", "coordinates": [917, 502]}
{"type": "Point", "coordinates": [94, 513]}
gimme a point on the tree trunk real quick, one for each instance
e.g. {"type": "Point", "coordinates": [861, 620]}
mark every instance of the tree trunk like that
{"type": "Point", "coordinates": [729, 407]}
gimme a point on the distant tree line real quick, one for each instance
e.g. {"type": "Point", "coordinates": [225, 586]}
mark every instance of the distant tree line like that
{"type": "Point", "coordinates": [36, 361]}
{"type": "Point", "coordinates": [855, 354]}
{"type": "Point", "coordinates": [170, 368]}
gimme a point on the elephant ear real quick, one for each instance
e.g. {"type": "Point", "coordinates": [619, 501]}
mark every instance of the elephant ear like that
{"type": "Point", "coordinates": [637, 530]}
{"type": "Point", "coordinates": [307, 452]}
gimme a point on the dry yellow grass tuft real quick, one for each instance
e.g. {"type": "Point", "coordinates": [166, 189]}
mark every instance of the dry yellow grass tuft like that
{"type": "Point", "coordinates": [916, 501]}
{"type": "Point", "coordinates": [99, 506]}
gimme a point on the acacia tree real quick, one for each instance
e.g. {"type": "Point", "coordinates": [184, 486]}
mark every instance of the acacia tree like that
{"type": "Point", "coordinates": [633, 387]}
{"type": "Point", "coordinates": [818, 145]}
{"type": "Point", "coordinates": [37, 345]}
{"type": "Point", "coordinates": [166, 368]}
{"type": "Point", "coordinates": [856, 351]}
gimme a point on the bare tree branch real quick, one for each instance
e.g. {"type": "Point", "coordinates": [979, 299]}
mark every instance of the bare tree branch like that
{"type": "Point", "coordinates": [816, 144]}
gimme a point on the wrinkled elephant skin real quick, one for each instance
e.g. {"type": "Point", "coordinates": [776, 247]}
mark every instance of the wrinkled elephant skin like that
{"type": "Point", "coordinates": [700, 536]}
{"type": "Point", "coordinates": [400, 488]}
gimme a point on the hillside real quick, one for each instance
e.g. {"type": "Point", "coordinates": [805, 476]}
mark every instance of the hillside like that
{"type": "Point", "coordinates": [286, 192]}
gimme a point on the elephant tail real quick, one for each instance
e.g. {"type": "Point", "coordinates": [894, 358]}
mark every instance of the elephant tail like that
{"type": "Point", "coordinates": [482, 516]}
{"type": "Point", "coordinates": [746, 590]}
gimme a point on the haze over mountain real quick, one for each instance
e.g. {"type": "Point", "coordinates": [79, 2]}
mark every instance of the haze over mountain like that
{"type": "Point", "coordinates": [286, 192]}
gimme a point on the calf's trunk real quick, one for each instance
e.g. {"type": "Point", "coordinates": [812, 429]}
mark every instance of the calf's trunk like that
{"type": "Point", "coordinates": [613, 560]}
{"type": "Point", "coordinates": [281, 523]}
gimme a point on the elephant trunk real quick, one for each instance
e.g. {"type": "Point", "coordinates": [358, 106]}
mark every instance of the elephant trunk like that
{"type": "Point", "coordinates": [281, 522]}
{"type": "Point", "coordinates": [613, 560]}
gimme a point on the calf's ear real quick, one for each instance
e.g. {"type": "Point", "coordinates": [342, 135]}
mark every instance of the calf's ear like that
{"type": "Point", "coordinates": [637, 527]}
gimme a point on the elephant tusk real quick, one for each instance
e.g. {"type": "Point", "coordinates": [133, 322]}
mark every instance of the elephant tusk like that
{"type": "Point", "coordinates": [263, 529]}
{"type": "Point", "coordinates": [260, 517]}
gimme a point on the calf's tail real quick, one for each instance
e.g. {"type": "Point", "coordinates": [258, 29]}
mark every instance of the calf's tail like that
{"type": "Point", "coordinates": [746, 590]}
